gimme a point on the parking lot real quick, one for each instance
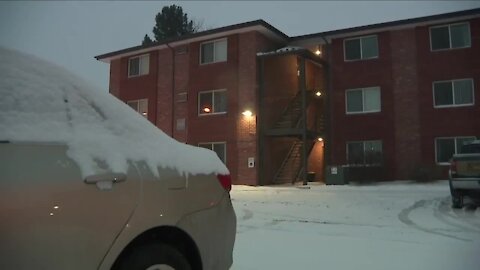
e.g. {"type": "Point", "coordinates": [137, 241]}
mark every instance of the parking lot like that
{"type": "Point", "coordinates": [398, 225]}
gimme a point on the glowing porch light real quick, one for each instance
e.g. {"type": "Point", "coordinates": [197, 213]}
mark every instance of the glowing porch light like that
{"type": "Point", "coordinates": [318, 93]}
{"type": "Point", "coordinates": [318, 52]}
{"type": "Point", "coordinates": [206, 109]}
{"type": "Point", "coordinates": [320, 139]}
{"type": "Point", "coordinates": [247, 113]}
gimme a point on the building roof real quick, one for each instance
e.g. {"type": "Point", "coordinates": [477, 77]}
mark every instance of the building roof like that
{"type": "Point", "coordinates": [258, 25]}
{"type": "Point", "coordinates": [439, 18]}
{"type": "Point", "coordinates": [275, 34]}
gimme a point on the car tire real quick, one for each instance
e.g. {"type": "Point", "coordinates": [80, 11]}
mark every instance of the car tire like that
{"type": "Point", "coordinates": [457, 197]}
{"type": "Point", "coordinates": [457, 202]}
{"type": "Point", "coordinates": [157, 256]}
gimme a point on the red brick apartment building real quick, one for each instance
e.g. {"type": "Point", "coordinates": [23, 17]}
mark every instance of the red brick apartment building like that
{"type": "Point", "coordinates": [380, 102]}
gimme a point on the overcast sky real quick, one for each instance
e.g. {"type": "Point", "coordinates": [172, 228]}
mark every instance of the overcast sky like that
{"type": "Point", "coordinates": [72, 33]}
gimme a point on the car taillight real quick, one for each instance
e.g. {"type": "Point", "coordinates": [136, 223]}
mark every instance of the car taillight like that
{"type": "Point", "coordinates": [226, 181]}
{"type": "Point", "coordinates": [453, 167]}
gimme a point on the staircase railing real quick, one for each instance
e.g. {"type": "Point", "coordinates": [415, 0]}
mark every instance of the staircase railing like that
{"type": "Point", "coordinates": [288, 161]}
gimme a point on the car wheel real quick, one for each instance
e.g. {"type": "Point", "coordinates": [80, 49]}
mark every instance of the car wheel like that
{"type": "Point", "coordinates": [457, 202]}
{"type": "Point", "coordinates": [155, 257]}
{"type": "Point", "coordinates": [457, 197]}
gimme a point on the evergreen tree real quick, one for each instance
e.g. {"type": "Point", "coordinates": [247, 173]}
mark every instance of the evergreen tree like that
{"type": "Point", "coordinates": [147, 40]}
{"type": "Point", "coordinates": [172, 22]}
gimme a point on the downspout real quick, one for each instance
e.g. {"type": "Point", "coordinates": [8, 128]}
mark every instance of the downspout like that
{"type": "Point", "coordinates": [259, 125]}
{"type": "Point", "coordinates": [173, 88]}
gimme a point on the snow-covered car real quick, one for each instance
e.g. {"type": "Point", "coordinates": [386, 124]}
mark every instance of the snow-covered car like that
{"type": "Point", "coordinates": [87, 183]}
{"type": "Point", "coordinates": [464, 174]}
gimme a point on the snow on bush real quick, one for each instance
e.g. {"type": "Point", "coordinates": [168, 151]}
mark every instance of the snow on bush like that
{"type": "Point", "coordinates": [42, 102]}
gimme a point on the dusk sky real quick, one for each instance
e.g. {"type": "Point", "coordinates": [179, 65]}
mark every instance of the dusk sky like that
{"type": "Point", "coordinates": [72, 33]}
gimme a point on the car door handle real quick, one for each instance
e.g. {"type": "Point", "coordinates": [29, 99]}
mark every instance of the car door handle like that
{"type": "Point", "coordinates": [108, 177]}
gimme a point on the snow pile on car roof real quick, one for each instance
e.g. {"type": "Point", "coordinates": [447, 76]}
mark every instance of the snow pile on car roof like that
{"type": "Point", "coordinates": [41, 102]}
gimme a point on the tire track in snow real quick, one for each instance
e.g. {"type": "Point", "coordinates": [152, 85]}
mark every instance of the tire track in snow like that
{"type": "Point", "coordinates": [247, 214]}
{"type": "Point", "coordinates": [403, 216]}
{"type": "Point", "coordinates": [441, 212]}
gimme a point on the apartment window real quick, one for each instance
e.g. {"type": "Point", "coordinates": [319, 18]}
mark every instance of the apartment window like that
{"type": "Point", "coordinates": [363, 100]}
{"type": "Point", "coordinates": [445, 148]}
{"type": "Point", "coordinates": [212, 102]}
{"type": "Point", "coordinates": [138, 65]}
{"type": "Point", "coordinates": [213, 51]}
{"type": "Point", "coordinates": [361, 48]}
{"type": "Point", "coordinates": [364, 153]}
{"type": "Point", "coordinates": [140, 106]}
{"type": "Point", "coordinates": [450, 36]}
{"type": "Point", "coordinates": [218, 147]}
{"type": "Point", "coordinates": [453, 93]}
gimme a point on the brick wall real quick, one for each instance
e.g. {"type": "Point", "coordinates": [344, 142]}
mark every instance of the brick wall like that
{"type": "Point", "coordinates": [368, 126]}
{"type": "Point", "coordinates": [182, 61]}
{"type": "Point", "coordinates": [215, 128]}
{"type": "Point", "coordinates": [246, 98]}
{"type": "Point", "coordinates": [115, 69]}
{"type": "Point", "coordinates": [406, 108]}
{"type": "Point", "coordinates": [446, 65]}
{"type": "Point", "coordinates": [139, 87]}
{"type": "Point", "coordinates": [164, 91]}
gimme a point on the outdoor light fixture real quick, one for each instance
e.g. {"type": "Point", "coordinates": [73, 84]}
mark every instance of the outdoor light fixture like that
{"type": "Point", "coordinates": [318, 93]}
{"type": "Point", "coordinates": [318, 52]}
{"type": "Point", "coordinates": [247, 113]}
{"type": "Point", "coordinates": [206, 109]}
{"type": "Point", "coordinates": [320, 139]}
{"type": "Point", "coordinates": [144, 113]}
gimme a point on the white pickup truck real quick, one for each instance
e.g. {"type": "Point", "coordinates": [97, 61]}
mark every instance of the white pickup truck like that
{"type": "Point", "coordinates": [464, 174]}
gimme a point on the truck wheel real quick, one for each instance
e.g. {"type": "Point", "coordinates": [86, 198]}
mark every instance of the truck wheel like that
{"type": "Point", "coordinates": [156, 256]}
{"type": "Point", "coordinates": [457, 201]}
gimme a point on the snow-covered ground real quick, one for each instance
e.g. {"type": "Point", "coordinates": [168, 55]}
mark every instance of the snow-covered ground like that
{"type": "Point", "coordinates": [387, 226]}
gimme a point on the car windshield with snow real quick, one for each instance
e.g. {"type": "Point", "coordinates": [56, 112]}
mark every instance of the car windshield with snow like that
{"type": "Point", "coordinates": [87, 183]}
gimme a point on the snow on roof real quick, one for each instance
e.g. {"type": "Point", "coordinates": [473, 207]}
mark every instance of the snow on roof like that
{"type": "Point", "coordinates": [282, 50]}
{"type": "Point", "coordinates": [42, 102]}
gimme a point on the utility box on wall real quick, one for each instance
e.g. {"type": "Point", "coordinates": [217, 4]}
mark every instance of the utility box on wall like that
{"type": "Point", "coordinates": [251, 162]}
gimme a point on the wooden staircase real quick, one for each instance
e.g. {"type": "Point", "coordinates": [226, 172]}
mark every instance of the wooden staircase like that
{"type": "Point", "coordinates": [291, 169]}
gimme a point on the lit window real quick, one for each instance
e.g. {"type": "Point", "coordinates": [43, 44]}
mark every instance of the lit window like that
{"type": "Point", "coordinates": [363, 100]}
{"type": "Point", "coordinates": [450, 36]}
{"type": "Point", "coordinates": [361, 48]}
{"type": "Point", "coordinates": [453, 93]}
{"type": "Point", "coordinates": [364, 153]}
{"type": "Point", "coordinates": [138, 65]}
{"type": "Point", "coordinates": [212, 102]}
{"type": "Point", "coordinates": [445, 148]}
{"type": "Point", "coordinates": [218, 147]}
{"type": "Point", "coordinates": [140, 106]}
{"type": "Point", "coordinates": [213, 51]}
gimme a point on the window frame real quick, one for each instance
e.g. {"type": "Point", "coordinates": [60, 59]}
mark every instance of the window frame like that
{"type": "Point", "coordinates": [138, 105]}
{"type": "Point", "coordinates": [363, 146]}
{"type": "Point", "coordinates": [449, 36]}
{"type": "Point", "coordinates": [455, 144]}
{"type": "Point", "coordinates": [453, 94]}
{"type": "Point", "coordinates": [214, 46]}
{"type": "Point", "coordinates": [213, 102]}
{"type": "Point", "coordinates": [217, 142]}
{"type": "Point", "coordinates": [147, 55]}
{"type": "Point", "coordinates": [361, 49]}
{"type": "Point", "coordinates": [363, 103]}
